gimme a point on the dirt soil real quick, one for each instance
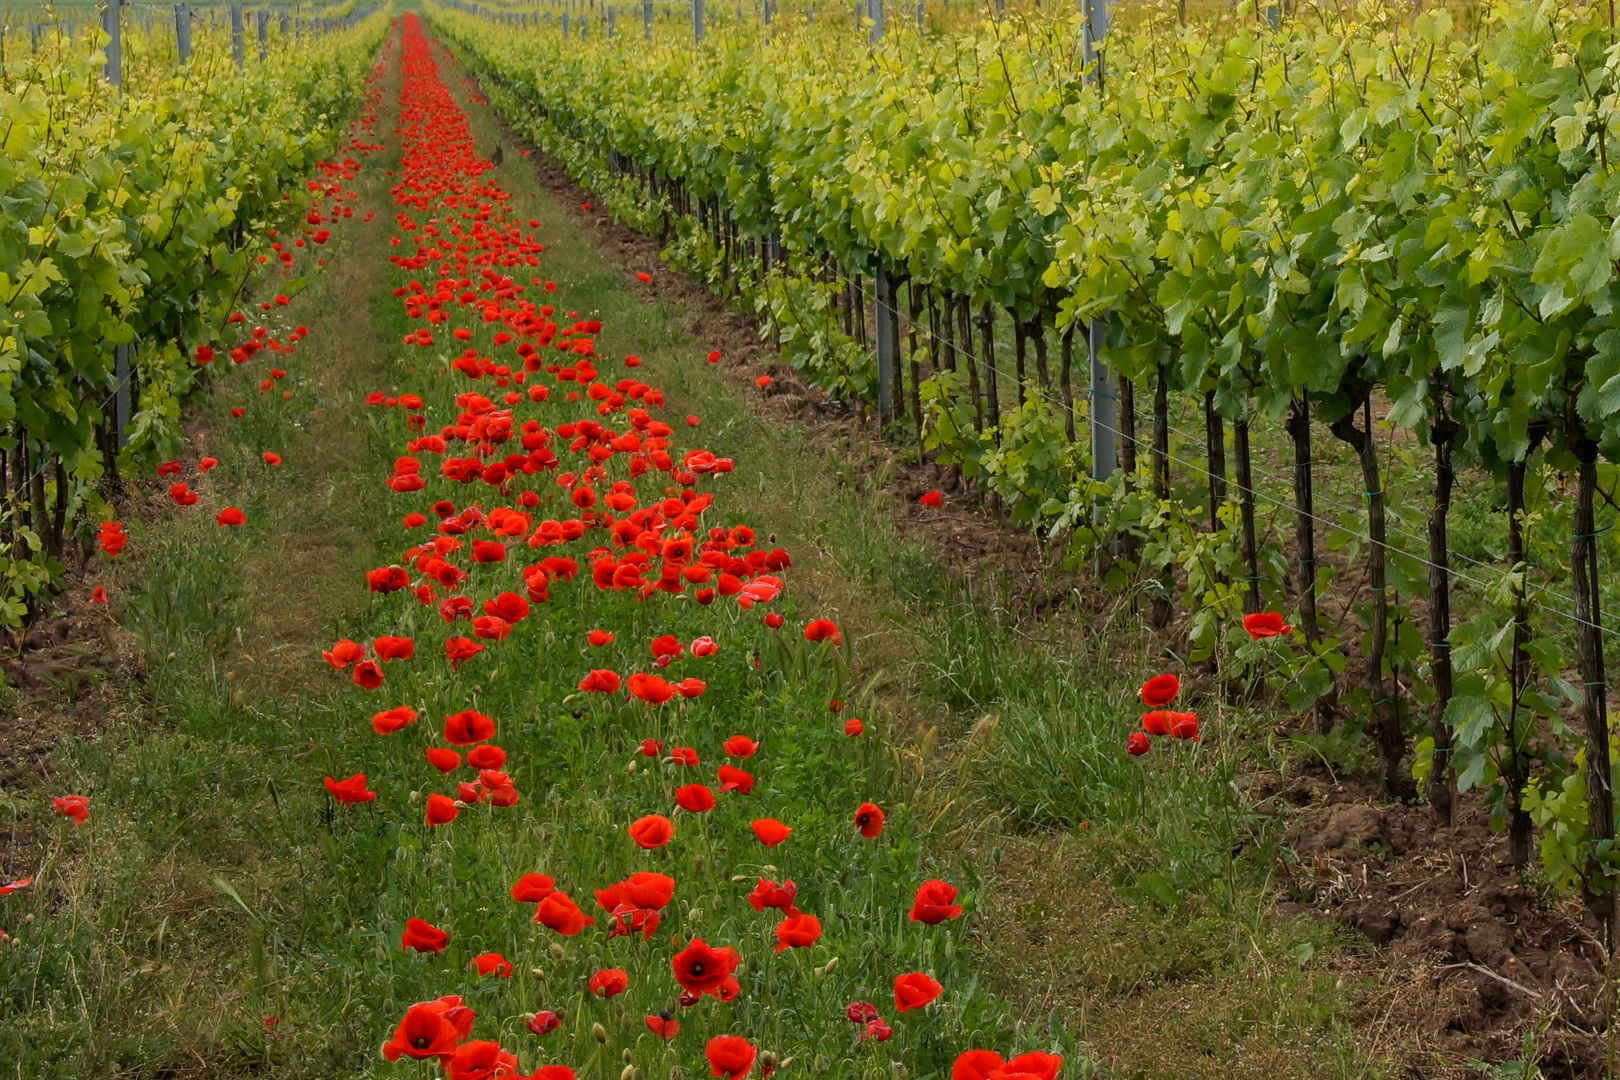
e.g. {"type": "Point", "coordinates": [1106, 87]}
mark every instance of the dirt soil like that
{"type": "Point", "coordinates": [72, 674]}
{"type": "Point", "coordinates": [1465, 958]}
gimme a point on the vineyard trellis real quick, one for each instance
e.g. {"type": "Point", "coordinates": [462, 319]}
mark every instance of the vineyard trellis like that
{"type": "Point", "coordinates": [146, 166]}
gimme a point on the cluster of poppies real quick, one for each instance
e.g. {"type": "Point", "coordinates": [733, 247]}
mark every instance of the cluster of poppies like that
{"type": "Point", "coordinates": [1159, 691]}
{"type": "Point", "coordinates": [1156, 694]}
{"type": "Point", "coordinates": [555, 482]}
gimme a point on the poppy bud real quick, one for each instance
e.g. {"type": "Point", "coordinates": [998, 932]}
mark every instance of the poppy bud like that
{"type": "Point", "coordinates": [629, 1071]}
{"type": "Point", "coordinates": [556, 951]}
{"type": "Point", "coordinates": [767, 1060]}
{"type": "Point", "coordinates": [536, 973]}
{"type": "Point", "coordinates": [599, 1033]}
{"type": "Point", "coordinates": [820, 1063]}
{"type": "Point", "coordinates": [628, 1023]}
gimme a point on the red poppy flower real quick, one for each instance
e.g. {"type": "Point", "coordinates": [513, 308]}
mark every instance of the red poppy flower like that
{"type": "Point", "coordinates": [544, 1022]}
{"type": "Point", "coordinates": [694, 798]}
{"type": "Point", "coordinates": [441, 810]}
{"type": "Point", "coordinates": [391, 720]}
{"type": "Point", "coordinates": [1184, 725]}
{"type": "Point", "coordinates": [975, 1065]}
{"type": "Point", "coordinates": [690, 687]}
{"type": "Point", "coordinates": [652, 831]}
{"type": "Point", "coordinates": [773, 620]}
{"type": "Point", "coordinates": [1137, 744]}
{"type": "Point", "coordinates": [934, 903]}
{"type": "Point", "coordinates": [98, 596]}
{"type": "Point", "coordinates": [182, 494]}
{"type": "Point", "coordinates": [930, 499]}
{"type": "Point", "coordinates": [491, 963]}
{"type": "Point", "coordinates": [876, 1030]}
{"type": "Point", "coordinates": [10, 887]}
{"type": "Point", "coordinates": [1036, 1065]}
{"type": "Point", "coordinates": [609, 982]}
{"type": "Point", "coordinates": [480, 1059]}
{"type": "Point", "coordinates": [1160, 690]}
{"type": "Point", "coordinates": [393, 648]}
{"type": "Point", "coordinates": [651, 747]}
{"type": "Point", "coordinates": [797, 932]}
{"type": "Point", "coordinates": [729, 1056]}
{"type": "Point", "coordinates": [352, 790]}
{"type": "Point", "coordinates": [76, 807]}
{"type": "Point", "coordinates": [271, 457]}
{"type": "Point", "coordinates": [768, 894]}
{"type": "Point", "coordinates": [343, 654]}
{"type": "Point", "coordinates": [600, 681]}
{"type": "Point", "coordinates": [869, 820]}
{"type": "Point", "coordinates": [703, 647]}
{"type": "Point", "coordinates": [430, 1029]}
{"type": "Point", "coordinates": [649, 688]}
{"type": "Point", "coordinates": [861, 1012]}
{"type": "Point", "coordinates": [532, 888]}
{"type": "Point", "coordinates": [853, 727]}
{"type": "Point", "coordinates": [443, 759]}
{"type": "Point", "coordinates": [488, 551]}
{"type": "Point", "coordinates": [683, 755]}
{"type": "Point", "coordinates": [387, 579]}
{"type": "Point", "coordinates": [488, 756]}
{"type": "Point", "coordinates": [458, 650]}
{"type": "Point", "coordinates": [423, 937]}
{"type": "Point", "coordinates": [508, 607]}
{"type": "Point", "coordinates": [1265, 624]}
{"type": "Point", "coordinates": [769, 831]}
{"type": "Point", "coordinates": [704, 970]}
{"type": "Point", "coordinates": [734, 779]}
{"type": "Point", "coordinates": [558, 912]}
{"type": "Point", "coordinates": [818, 630]}
{"type": "Point", "coordinates": [467, 727]}
{"type": "Point", "coordinates": [368, 675]}
{"type": "Point", "coordinates": [987, 1065]}
{"type": "Point", "coordinates": [663, 1027]}
{"type": "Point", "coordinates": [913, 991]}
{"type": "Point", "coordinates": [230, 516]}
{"type": "Point", "coordinates": [598, 638]}
{"type": "Point", "coordinates": [740, 746]}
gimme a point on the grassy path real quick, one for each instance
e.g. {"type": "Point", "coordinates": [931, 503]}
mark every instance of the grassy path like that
{"type": "Point", "coordinates": [220, 915]}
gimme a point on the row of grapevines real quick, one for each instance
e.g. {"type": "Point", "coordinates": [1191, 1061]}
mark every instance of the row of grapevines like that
{"type": "Point", "coordinates": [136, 218]}
{"type": "Point", "coordinates": [1351, 221]}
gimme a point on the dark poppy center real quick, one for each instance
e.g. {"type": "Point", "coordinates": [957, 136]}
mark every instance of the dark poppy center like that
{"type": "Point", "coordinates": [697, 968]}
{"type": "Point", "coordinates": [421, 1042]}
